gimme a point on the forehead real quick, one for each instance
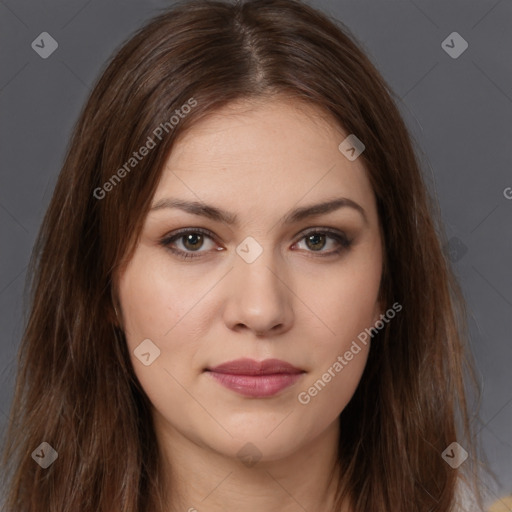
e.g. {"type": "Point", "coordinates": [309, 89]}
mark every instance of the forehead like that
{"type": "Point", "coordinates": [265, 153]}
{"type": "Point", "coordinates": [265, 129]}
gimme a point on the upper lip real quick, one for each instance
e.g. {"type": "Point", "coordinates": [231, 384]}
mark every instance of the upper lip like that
{"type": "Point", "coordinates": [252, 367]}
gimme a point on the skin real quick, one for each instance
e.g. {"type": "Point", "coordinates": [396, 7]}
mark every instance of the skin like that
{"type": "Point", "coordinates": [258, 160]}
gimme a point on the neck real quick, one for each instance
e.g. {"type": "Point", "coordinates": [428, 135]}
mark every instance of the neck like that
{"type": "Point", "coordinates": [201, 479]}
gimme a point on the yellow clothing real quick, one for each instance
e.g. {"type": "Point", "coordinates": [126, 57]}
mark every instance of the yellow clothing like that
{"type": "Point", "coordinates": [502, 505]}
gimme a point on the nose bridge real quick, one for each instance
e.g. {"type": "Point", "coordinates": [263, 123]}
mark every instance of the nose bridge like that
{"type": "Point", "coordinates": [255, 270]}
{"type": "Point", "coordinates": [258, 297]}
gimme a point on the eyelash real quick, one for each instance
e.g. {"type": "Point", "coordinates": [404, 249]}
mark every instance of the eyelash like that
{"type": "Point", "coordinates": [341, 238]}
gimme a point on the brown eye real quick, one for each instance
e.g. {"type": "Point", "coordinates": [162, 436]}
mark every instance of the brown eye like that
{"type": "Point", "coordinates": [316, 241]}
{"type": "Point", "coordinates": [188, 242]}
{"type": "Point", "coordinates": [192, 241]}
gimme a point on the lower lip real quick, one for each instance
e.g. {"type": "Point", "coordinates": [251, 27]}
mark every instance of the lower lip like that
{"type": "Point", "coordinates": [257, 385]}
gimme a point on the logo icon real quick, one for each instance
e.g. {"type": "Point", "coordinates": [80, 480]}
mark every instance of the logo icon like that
{"type": "Point", "coordinates": [249, 455]}
{"type": "Point", "coordinates": [455, 249]}
{"type": "Point", "coordinates": [146, 352]}
{"type": "Point", "coordinates": [45, 455]}
{"type": "Point", "coordinates": [454, 455]}
{"type": "Point", "coordinates": [454, 45]}
{"type": "Point", "coordinates": [351, 147]}
{"type": "Point", "coordinates": [249, 250]}
{"type": "Point", "coordinates": [44, 45]}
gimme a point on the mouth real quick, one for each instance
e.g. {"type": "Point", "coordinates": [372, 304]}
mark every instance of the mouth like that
{"type": "Point", "coordinates": [256, 379]}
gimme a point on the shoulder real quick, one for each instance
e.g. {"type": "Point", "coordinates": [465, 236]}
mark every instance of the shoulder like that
{"type": "Point", "coordinates": [465, 500]}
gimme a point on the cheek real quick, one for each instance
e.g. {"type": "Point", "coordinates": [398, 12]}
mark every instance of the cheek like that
{"type": "Point", "coordinates": [347, 302]}
{"type": "Point", "coordinates": [153, 304]}
{"type": "Point", "coordinates": [338, 356]}
{"type": "Point", "coordinates": [326, 394]}
{"type": "Point", "coordinates": [154, 298]}
{"type": "Point", "coordinates": [160, 305]}
{"type": "Point", "coordinates": [346, 299]}
{"type": "Point", "coordinates": [163, 306]}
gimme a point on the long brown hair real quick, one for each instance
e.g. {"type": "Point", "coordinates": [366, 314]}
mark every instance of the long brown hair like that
{"type": "Point", "coordinates": [75, 387]}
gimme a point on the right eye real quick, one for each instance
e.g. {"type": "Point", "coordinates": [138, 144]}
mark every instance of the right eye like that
{"type": "Point", "coordinates": [191, 239]}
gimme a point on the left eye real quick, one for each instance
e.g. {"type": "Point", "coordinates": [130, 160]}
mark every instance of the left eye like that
{"type": "Point", "coordinates": [193, 239]}
{"type": "Point", "coordinates": [316, 240]}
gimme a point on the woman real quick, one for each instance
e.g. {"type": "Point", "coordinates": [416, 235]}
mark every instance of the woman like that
{"type": "Point", "coordinates": [239, 293]}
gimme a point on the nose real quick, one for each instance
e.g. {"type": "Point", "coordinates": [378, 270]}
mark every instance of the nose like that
{"type": "Point", "coordinates": [258, 298]}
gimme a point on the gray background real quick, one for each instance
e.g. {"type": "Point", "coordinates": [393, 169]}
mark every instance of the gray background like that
{"type": "Point", "coordinates": [459, 111]}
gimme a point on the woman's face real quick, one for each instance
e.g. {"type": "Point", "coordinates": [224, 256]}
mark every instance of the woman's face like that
{"type": "Point", "coordinates": [267, 282]}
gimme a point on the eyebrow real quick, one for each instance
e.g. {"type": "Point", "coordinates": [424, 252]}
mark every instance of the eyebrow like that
{"type": "Point", "coordinates": [218, 214]}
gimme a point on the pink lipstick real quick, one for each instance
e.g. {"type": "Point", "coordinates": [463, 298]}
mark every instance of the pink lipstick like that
{"type": "Point", "coordinates": [256, 379]}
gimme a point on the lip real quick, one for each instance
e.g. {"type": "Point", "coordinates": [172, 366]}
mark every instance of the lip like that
{"type": "Point", "coordinates": [256, 378]}
{"type": "Point", "coordinates": [252, 367]}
